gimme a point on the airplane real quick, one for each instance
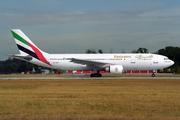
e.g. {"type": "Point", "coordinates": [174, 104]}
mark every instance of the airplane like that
{"type": "Point", "coordinates": [115, 63]}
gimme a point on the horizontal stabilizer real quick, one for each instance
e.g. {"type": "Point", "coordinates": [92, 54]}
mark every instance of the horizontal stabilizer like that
{"type": "Point", "coordinates": [21, 57]}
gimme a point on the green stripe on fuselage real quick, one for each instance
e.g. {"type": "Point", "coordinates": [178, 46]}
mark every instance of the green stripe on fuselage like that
{"type": "Point", "coordinates": [19, 38]}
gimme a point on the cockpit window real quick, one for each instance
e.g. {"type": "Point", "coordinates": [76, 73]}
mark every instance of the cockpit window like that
{"type": "Point", "coordinates": [166, 58]}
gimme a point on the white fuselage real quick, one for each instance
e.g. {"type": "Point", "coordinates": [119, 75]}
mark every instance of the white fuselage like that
{"type": "Point", "coordinates": [128, 61]}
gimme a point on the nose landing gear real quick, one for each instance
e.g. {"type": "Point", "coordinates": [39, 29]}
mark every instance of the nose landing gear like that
{"type": "Point", "coordinates": [153, 75]}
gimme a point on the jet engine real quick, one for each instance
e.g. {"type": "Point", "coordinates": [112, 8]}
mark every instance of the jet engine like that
{"type": "Point", "coordinates": [115, 69]}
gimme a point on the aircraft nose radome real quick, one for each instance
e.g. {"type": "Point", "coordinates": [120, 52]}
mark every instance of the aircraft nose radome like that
{"type": "Point", "coordinates": [171, 63]}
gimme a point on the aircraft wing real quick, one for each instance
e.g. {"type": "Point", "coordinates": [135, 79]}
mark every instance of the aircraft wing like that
{"type": "Point", "coordinates": [89, 63]}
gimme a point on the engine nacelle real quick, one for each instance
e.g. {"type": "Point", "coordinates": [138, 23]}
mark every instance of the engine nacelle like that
{"type": "Point", "coordinates": [115, 69]}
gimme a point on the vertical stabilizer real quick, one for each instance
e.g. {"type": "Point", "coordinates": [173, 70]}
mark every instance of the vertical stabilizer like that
{"type": "Point", "coordinates": [22, 41]}
{"type": "Point", "coordinates": [27, 47]}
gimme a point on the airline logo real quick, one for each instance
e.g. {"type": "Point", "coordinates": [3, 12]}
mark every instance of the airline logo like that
{"type": "Point", "coordinates": [116, 69]}
{"type": "Point", "coordinates": [34, 52]}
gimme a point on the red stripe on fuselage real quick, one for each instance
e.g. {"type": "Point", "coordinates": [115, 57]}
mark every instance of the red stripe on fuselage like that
{"type": "Point", "coordinates": [39, 54]}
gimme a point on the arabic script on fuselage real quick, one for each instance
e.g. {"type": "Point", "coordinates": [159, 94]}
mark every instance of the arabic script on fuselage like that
{"type": "Point", "coordinates": [141, 56]}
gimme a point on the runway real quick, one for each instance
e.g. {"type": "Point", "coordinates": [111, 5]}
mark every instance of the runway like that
{"type": "Point", "coordinates": [83, 77]}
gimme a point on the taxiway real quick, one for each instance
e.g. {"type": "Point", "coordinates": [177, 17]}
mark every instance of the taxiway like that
{"type": "Point", "coordinates": [84, 77]}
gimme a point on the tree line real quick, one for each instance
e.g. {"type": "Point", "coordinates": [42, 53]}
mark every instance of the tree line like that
{"type": "Point", "coordinates": [12, 65]}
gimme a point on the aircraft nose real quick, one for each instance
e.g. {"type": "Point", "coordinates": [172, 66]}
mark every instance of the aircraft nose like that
{"type": "Point", "coordinates": [171, 62]}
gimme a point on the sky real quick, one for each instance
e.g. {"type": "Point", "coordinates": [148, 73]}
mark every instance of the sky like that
{"type": "Point", "coordinates": [73, 26]}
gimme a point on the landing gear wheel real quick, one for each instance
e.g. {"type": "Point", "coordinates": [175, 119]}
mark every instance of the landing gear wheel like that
{"type": "Point", "coordinates": [99, 75]}
{"type": "Point", "coordinates": [92, 75]}
{"type": "Point", "coordinates": [153, 75]}
{"type": "Point", "coordinates": [96, 75]}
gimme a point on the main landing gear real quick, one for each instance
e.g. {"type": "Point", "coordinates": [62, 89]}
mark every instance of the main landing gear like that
{"type": "Point", "coordinates": [96, 74]}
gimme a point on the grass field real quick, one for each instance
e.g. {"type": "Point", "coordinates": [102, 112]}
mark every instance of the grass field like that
{"type": "Point", "coordinates": [90, 99]}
